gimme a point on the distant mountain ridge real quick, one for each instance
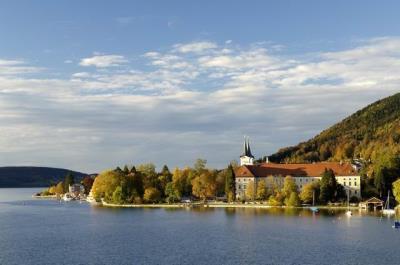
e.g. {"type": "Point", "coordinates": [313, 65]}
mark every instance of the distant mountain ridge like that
{"type": "Point", "coordinates": [368, 133]}
{"type": "Point", "coordinates": [27, 176]}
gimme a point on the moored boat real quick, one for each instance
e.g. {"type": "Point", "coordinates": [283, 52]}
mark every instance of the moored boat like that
{"type": "Point", "coordinates": [387, 210]}
{"type": "Point", "coordinates": [348, 212]}
{"type": "Point", "coordinates": [67, 197]}
{"type": "Point", "coordinates": [313, 208]}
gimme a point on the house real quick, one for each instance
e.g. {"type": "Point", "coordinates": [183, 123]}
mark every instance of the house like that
{"type": "Point", "coordinates": [76, 191]}
{"type": "Point", "coordinates": [248, 172]}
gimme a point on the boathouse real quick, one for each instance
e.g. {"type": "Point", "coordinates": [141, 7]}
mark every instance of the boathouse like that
{"type": "Point", "coordinates": [372, 204]}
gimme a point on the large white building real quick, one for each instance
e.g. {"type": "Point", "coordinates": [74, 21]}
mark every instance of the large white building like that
{"type": "Point", "coordinates": [248, 173]}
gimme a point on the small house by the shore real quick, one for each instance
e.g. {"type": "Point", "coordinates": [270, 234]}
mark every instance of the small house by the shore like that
{"type": "Point", "coordinates": [372, 204]}
{"type": "Point", "coordinates": [76, 191]}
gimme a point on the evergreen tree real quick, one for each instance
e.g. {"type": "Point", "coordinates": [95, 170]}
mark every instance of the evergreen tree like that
{"type": "Point", "coordinates": [69, 180]}
{"type": "Point", "coordinates": [328, 186]}
{"type": "Point", "coordinates": [126, 170]}
{"type": "Point", "coordinates": [230, 184]}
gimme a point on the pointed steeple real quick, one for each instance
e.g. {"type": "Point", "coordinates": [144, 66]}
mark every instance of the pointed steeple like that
{"type": "Point", "coordinates": [244, 147]}
{"type": "Point", "coordinates": [248, 150]}
{"type": "Point", "coordinates": [246, 158]}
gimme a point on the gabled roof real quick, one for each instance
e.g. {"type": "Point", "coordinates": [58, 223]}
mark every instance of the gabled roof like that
{"type": "Point", "coordinates": [373, 200]}
{"type": "Point", "coordinates": [305, 170]}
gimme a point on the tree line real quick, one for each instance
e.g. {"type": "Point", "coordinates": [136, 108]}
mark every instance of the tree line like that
{"type": "Point", "coordinates": [143, 184]}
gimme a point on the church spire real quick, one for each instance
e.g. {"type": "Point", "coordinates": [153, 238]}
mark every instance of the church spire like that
{"type": "Point", "coordinates": [246, 158]}
{"type": "Point", "coordinates": [248, 150]}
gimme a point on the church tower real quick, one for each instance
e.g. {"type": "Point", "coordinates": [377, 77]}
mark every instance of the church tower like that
{"type": "Point", "coordinates": [246, 158]}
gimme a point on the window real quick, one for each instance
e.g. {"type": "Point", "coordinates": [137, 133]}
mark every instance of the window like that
{"type": "Point", "coordinates": [344, 183]}
{"type": "Point", "coordinates": [355, 192]}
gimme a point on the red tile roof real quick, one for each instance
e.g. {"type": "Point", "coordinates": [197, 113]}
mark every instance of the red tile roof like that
{"type": "Point", "coordinates": [305, 170]}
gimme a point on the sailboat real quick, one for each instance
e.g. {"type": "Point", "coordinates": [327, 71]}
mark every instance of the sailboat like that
{"type": "Point", "coordinates": [386, 209]}
{"type": "Point", "coordinates": [313, 208]}
{"type": "Point", "coordinates": [348, 212]}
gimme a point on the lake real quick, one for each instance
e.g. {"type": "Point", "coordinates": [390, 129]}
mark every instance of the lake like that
{"type": "Point", "coordinates": [49, 232]}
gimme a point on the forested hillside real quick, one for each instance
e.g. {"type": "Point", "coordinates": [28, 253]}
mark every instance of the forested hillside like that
{"type": "Point", "coordinates": [366, 134]}
{"type": "Point", "coordinates": [34, 176]}
{"type": "Point", "coordinates": [371, 135]}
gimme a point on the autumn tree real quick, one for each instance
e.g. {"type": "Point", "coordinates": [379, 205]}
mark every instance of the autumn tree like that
{"type": "Point", "coordinates": [200, 165]}
{"type": "Point", "coordinates": [204, 185]}
{"type": "Point", "coordinates": [261, 193]}
{"type": "Point", "coordinates": [87, 183]}
{"type": "Point", "coordinates": [250, 191]}
{"type": "Point", "coordinates": [59, 188]}
{"type": "Point", "coordinates": [105, 184]}
{"type": "Point", "coordinates": [171, 194]}
{"type": "Point", "coordinates": [117, 196]}
{"type": "Point", "coordinates": [149, 175]}
{"type": "Point", "coordinates": [178, 182]}
{"type": "Point", "coordinates": [52, 190]}
{"type": "Point", "coordinates": [151, 195]}
{"type": "Point", "coordinates": [309, 190]}
{"type": "Point", "coordinates": [293, 200]}
{"type": "Point", "coordinates": [396, 190]}
{"type": "Point", "coordinates": [271, 186]}
{"type": "Point", "coordinates": [289, 186]}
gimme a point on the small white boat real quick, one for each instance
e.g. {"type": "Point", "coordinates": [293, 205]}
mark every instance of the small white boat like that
{"type": "Point", "coordinates": [313, 208]}
{"type": "Point", "coordinates": [387, 210]}
{"type": "Point", "coordinates": [67, 197]}
{"type": "Point", "coordinates": [348, 212]}
{"type": "Point", "coordinates": [90, 198]}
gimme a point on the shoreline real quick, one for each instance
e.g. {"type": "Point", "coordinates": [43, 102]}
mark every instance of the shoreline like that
{"type": "Point", "coordinates": [204, 205]}
{"type": "Point", "coordinates": [219, 205]}
{"type": "Point", "coordinates": [44, 197]}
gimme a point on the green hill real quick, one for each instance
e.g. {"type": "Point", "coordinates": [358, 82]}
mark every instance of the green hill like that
{"type": "Point", "coordinates": [368, 134]}
{"type": "Point", "coordinates": [11, 177]}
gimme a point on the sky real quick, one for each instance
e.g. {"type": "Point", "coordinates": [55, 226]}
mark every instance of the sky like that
{"type": "Point", "coordinates": [90, 85]}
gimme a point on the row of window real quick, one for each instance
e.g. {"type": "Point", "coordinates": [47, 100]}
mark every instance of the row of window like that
{"type": "Point", "coordinates": [344, 183]}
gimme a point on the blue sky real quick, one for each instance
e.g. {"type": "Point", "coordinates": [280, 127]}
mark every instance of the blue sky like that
{"type": "Point", "coordinates": [89, 85]}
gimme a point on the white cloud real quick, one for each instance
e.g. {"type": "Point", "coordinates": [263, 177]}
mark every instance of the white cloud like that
{"type": "Point", "coordinates": [102, 61]}
{"type": "Point", "coordinates": [202, 103]}
{"type": "Point", "coordinates": [16, 67]}
{"type": "Point", "coordinates": [195, 47]}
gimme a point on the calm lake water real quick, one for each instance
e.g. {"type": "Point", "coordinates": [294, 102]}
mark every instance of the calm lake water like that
{"type": "Point", "coordinates": [50, 232]}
